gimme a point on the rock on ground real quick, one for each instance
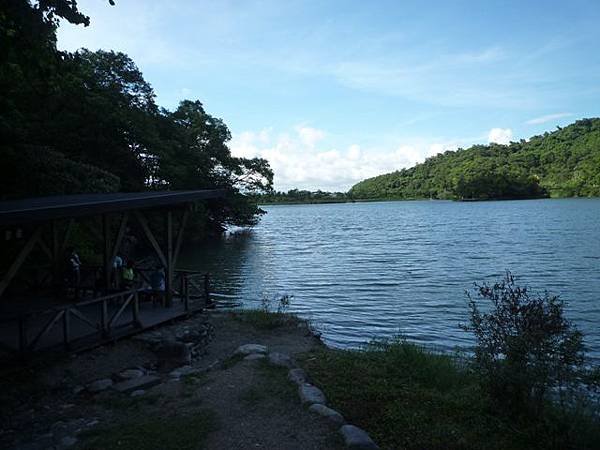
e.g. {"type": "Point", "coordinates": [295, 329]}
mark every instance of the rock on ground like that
{"type": "Point", "coordinates": [247, 349]}
{"type": "Point", "coordinates": [297, 376]}
{"type": "Point", "coordinates": [254, 357]}
{"type": "Point", "coordinates": [128, 374]}
{"type": "Point", "coordinates": [136, 384]}
{"type": "Point", "coordinates": [186, 370]}
{"type": "Point", "coordinates": [311, 394]}
{"type": "Point", "coordinates": [281, 359]}
{"type": "Point", "coordinates": [99, 385]}
{"type": "Point", "coordinates": [357, 439]}
{"type": "Point", "coordinates": [330, 414]}
{"type": "Point", "coordinates": [68, 441]}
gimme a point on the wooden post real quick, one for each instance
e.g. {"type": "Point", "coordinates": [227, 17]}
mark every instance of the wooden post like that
{"type": "Point", "coordinates": [18, 262]}
{"type": "Point", "coordinates": [136, 310]}
{"type": "Point", "coordinates": [106, 262]}
{"type": "Point", "coordinates": [169, 258]}
{"type": "Point", "coordinates": [67, 328]}
{"type": "Point", "coordinates": [185, 292]}
{"type": "Point", "coordinates": [207, 301]}
{"type": "Point", "coordinates": [104, 318]}
{"type": "Point", "coordinates": [23, 334]}
{"type": "Point", "coordinates": [56, 258]}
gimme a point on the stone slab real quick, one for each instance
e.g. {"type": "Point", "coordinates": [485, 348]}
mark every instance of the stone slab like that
{"type": "Point", "coordinates": [135, 384]}
{"type": "Point", "coordinates": [357, 439]}
{"type": "Point", "coordinates": [247, 349]}
{"type": "Point", "coordinates": [254, 357]}
{"type": "Point", "coordinates": [99, 385]}
{"type": "Point", "coordinates": [310, 394]}
{"type": "Point", "coordinates": [330, 414]}
{"type": "Point", "coordinates": [281, 359]}
{"type": "Point", "coordinates": [297, 376]}
{"type": "Point", "coordinates": [128, 374]}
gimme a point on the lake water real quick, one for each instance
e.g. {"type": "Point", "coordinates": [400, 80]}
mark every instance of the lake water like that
{"type": "Point", "coordinates": [365, 270]}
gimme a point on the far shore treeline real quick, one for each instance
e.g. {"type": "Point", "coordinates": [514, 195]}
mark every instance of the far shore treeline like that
{"type": "Point", "coordinates": [88, 122]}
{"type": "Point", "coordinates": [563, 163]}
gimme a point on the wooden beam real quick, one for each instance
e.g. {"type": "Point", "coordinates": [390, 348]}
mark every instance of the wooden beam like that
{"type": "Point", "coordinates": [97, 234]}
{"type": "Point", "coordinates": [106, 262]}
{"type": "Point", "coordinates": [179, 239]}
{"type": "Point", "coordinates": [20, 259]}
{"type": "Point", "coordinates": [120, 235]}
{"type": "Point", "coordinates": [56, 255]}
{"type": "Point", "coordinates": [169, 268]}
{"type": "Point", "coordinates": [148, 232]}
{"type": "Point", "coordinates": [45, 248]}
{"type": "Point", "coordinates": [117, 314]}
{"type": "Point", "coordinates": [83, 318]}
{"type": "Point", "coordinates": [65, 242]}
{"type": "Point", "coordinates": [47, 328]}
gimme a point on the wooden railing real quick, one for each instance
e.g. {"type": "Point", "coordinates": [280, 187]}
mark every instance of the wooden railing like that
{"type": "Point", "coordinates": [64, 315]}
{"type": "Point", "coordinates": [188, 285]}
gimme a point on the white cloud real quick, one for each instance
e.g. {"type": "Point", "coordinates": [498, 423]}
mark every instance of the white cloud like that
{"type": "Point", "coordinates": [547, 118]}
{"type": "Point", "coordinates": [310, 136]}
{"type": "Point", "coordinates": [302, 159]}
{"type": "Point", "coordinates": [500, 136]}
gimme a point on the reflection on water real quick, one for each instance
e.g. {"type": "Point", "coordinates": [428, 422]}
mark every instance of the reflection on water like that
{"type": "Point", "coordinates": [375, 269]}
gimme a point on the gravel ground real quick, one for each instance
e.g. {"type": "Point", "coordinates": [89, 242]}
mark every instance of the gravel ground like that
{"type": "Point", "coordinates": [253, 403]}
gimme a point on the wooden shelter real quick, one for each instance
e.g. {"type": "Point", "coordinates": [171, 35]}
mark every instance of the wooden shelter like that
{"type": "Point", "coordinates": [44, 225]}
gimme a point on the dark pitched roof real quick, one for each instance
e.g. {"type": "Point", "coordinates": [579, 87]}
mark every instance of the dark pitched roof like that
{"type": "Point", "coordinates": [67, 206]}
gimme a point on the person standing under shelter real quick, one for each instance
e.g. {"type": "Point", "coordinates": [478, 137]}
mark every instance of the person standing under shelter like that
{"type": "Point", "coordinates": [117, 269]}
{"type": "Point", "coordinates": [128, 275]}
{"type": "Point", "coordinates": [157, 279]}
{"type": "Point", "coordinates": [74, 270]}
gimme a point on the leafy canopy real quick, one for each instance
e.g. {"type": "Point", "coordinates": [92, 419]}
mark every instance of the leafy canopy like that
{"type": "Point", "coordinates": [92, 119]}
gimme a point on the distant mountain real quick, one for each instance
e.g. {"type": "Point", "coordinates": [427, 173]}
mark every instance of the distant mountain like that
{"type": "Point", "coordinates": [563, 163]}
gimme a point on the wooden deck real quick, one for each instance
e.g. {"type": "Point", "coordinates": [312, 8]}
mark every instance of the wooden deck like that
{"type": "Point", "coordinates": [91, 322]}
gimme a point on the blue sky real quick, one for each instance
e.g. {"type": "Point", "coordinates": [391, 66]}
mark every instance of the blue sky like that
{"type": "Point", "coordinates": [331, 92]}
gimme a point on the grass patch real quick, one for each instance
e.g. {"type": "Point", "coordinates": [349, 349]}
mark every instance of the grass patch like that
{"type": "Point", "coordinates": [114, 401]}
{"type": "Point", "coordinates": [252, 396]}
{"type": "Point", "coordinates": [275, 381]}
{"type": "Point", "coordinates": [155, 433]}
{"type": "Point", "coordinates": [408, 398]}
{"type": "Point", "coordinates": [192, 382]}
{"type": "Point", "coordinates": [195, 379]}
{"type": "Point", "coordinates": [272, 384]}
{"type": "Point", "coordinates": [272, 314]}
{"type": "Point", "coordinates": [232, 360]}
{"type": "Point", "coordinates": [265, 320]}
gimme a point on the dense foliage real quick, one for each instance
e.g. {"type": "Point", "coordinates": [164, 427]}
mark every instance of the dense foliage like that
{"type": "Point", "coordinates": [564, 163]}
{"type": "Point", "coordinates": [301, 196]}
{"type": "Point", "coordinates": [88, 122]}
{"type": "Point", "coordinates": [527, 351]}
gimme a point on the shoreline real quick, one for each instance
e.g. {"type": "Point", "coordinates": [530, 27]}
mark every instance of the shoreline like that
{"type": "Point", "coordinates": [401, 394]}
{"type": "Point", "coordinates": [383, 200]}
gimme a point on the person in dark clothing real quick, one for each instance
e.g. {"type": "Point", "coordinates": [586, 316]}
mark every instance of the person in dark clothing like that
{"type": "Point", "coordinates": [74, 270]}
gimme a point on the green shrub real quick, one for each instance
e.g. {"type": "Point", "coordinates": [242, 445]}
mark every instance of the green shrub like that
{"type": "Point", "coordinates": [526, 350]}
{"type": "Point", "coordinates": [273, 313]}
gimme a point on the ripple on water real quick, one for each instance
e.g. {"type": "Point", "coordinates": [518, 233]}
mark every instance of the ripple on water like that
{"type": "Point", "coordinates": [367, 270]}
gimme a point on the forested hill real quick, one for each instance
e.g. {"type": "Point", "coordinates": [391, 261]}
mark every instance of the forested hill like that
{"type": "Point", "coordinates": [564, 163]}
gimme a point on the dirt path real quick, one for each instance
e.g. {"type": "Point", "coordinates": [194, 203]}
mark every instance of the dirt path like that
{"type": "Point", "coordinates": [237, 404]}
